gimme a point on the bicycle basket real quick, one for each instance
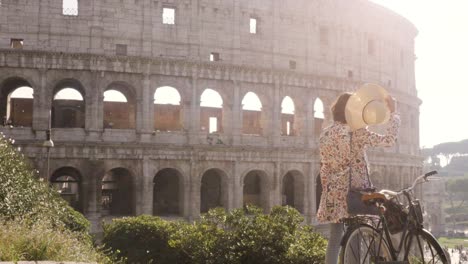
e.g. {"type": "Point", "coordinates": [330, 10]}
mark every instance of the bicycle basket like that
{"type": "Point", "coordinates": [395, 215]}
{"type": "Point", "coordinates": [418, 212]}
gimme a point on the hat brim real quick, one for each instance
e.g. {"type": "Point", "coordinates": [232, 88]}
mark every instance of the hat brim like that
{"type": "Point", "coordinates": [357, 102]}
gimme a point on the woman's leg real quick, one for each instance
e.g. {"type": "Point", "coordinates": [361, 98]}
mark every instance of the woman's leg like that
{"type": "Point", "coordinates": [333, 248]}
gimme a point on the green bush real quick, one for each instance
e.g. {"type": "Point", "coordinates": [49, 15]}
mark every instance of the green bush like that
{"type": "Point", "coordinates": [24, 196]}
{"type": "Point", "coordinates": [35, 222]}
{"type": "Point", "coordinates": [238, 237]}
{"type": "Point", "coordinates": [142, 239]}
{"type": "Point", "coordinates": [34, 242]}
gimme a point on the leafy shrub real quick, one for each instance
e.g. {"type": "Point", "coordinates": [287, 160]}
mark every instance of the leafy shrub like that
{"type": "Point", "coordinates": [238, 237]}
{"type": "Point", "coordinates": [142, 239]}
{"type": "Point", "coordinates": [25, 241]}
{"type": "Point", "coordinates": [24, 196]}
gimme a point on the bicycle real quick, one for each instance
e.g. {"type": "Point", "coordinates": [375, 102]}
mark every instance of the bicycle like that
{"type": "Point", "coordinates": [395, 235]}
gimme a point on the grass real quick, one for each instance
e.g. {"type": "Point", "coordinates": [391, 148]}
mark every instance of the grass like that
{"type": "Point", "coordinates": [23, 241]}
{"type": "Point", "coordinates": [453, 242]}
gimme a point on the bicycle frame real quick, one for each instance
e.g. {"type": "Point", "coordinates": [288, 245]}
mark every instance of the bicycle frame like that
{"type": "Point", "coordinates": [411, 225]}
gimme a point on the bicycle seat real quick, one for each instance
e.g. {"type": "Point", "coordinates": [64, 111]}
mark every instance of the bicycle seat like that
{"type": "Point", "coordinates": [367, 197]}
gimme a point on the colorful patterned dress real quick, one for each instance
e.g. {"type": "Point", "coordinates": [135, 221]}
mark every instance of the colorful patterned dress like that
{"type": "Point", "coordinates": [337, 157]}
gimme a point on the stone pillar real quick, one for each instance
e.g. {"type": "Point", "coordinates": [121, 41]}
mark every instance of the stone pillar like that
{"type": "Point", "coordinates": [238, 186]}
{"type": "Point", "coordinates": [276, 186]}
{"type": "Point", "coordinates": [276, 116]}
{"type": "Point", "coordinates": [91, 186]}
{"type": "Point", "coordinates": [309, 126]}
{"type": "Point", "coordinates": [42, 106]}
{"type": "Point", "coordinates": [145, 203]}
{"type": "Point", "coordinates": [192, 189]}
{"type": "Point", "coordinates": [192, 114]}
{"type": "Point", "coordinates": [310, 209]}
{"type": "Point", "coordinates": [92, 107]}
{"type": "Point", "coordinates": [145, 110]}
{"type": "Point", "coordinates": [236, 116]}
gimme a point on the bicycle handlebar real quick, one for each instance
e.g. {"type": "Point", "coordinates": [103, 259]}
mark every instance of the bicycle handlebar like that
{"type": "Point", "coordinates": [418, 180]}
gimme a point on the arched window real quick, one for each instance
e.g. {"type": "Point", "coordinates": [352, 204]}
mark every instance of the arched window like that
{"type": "Point", "coordinates": [68, 109]}
{"type": "Point", "coordinates": [318, 109]}
{"type": "Point", "coordinates": [19, 110]}
{"type": "Point", "coordinates": [167, 109]}
{"type": "Point", "coordinates": [117, 193]}
{"type": "Point", "coordinates": [66, 181]}
{"type": "Point", "coordinates": [255, 189]}
{"type": "Point", "coordinates": [251, 114]}
{"type": "Point", "coordinates": [213, 190]}
{"type": "Point", "coordinates": [211, 111]}
{"type": "Point", "coordinates": [167, 193]}
{"type": "Point", "coordinates": [287, 116]}
{"type": "Point", "coordinates": [119, 113]}
{"type": "Point", "coordinates": [70, 7]}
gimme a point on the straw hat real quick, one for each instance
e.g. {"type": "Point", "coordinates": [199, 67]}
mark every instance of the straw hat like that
{"type": "Point", "coordinates": [367, 106]}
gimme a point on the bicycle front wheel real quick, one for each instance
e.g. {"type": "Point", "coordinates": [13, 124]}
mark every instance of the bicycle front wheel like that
{"type": "Point", "coordinates": [423, 248]}
{"type": "Point", "coordinates": [364, 245]}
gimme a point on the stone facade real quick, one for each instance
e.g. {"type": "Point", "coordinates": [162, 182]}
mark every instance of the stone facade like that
{"type": "Point", "coordinates": [307, 50]}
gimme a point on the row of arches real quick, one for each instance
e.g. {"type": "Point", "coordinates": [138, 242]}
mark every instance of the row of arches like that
{"type": "Point", "coordinates": [119, 111]}
{"type": "Point", "coordinates": [117, 192]}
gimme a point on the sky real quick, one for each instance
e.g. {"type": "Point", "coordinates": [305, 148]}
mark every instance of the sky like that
{"type": "Point", "coordinates": [441, 66]}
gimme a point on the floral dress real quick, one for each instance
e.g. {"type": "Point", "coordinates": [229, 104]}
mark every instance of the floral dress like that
{"type": "Point", "coordinates": [340, 151]}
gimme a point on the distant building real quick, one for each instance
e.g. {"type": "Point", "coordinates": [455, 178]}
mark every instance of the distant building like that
{"type": "Point", "coordinates": [138, 156]}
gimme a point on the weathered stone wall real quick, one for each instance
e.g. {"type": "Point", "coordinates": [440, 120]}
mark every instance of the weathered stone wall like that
{"type": "Point", "coordinates": [336, 45]}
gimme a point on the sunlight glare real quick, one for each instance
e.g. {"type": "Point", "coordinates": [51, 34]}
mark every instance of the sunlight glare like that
{"type": "Point", "coordinates": [68, 94]}
{"type": "Point", "coordinates": [251, 102]}
{"type": "Point", "coordinates": [167, 95]}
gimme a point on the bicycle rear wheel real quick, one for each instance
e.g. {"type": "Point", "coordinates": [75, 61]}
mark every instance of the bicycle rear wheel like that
{"type": "Point", "coordinates": [422, 247]}
{"type": "Point", "coordinates": [364, 245]}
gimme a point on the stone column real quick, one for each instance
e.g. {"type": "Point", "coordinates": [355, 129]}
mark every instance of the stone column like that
{"type": "Point", "coordinates": [276, 191]}
{"type": "Point", "coordinates": [192, 116]}
{"type": "Point", "coordinates": [193, 190]}
{"type": "Point", "coordinates": [276, 116]}
{"type": "Point", "coordinates": [236, 116]}
{"type": "Point", "coordinates": [42, 106]}
{"type": "Point", "coordinates": [309, 126]}
{"type": "Point", "coordinates": [310, 210]}
{"type": "Point", "coordinates": [238, 186]}
{"type": "Point", "coordinates": [92, 107]}
{"type": "Point", "coordinates": [145, 110]}
{"type": "Point", "coordinates": [145, 203]}
{"type": "Point", "coordinates": [92, 186]}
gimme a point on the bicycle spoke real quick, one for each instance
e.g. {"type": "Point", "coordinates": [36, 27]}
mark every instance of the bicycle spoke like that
{"type": "Point", "coordinates": [421, 250]}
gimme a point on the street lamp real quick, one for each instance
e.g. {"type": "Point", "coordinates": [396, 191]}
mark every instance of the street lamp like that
{"type": "Point", "coordinates": [48, 143]}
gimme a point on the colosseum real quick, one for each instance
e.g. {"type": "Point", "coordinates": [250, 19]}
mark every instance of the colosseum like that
{"type": "Point", "coordinates": [172, 107]}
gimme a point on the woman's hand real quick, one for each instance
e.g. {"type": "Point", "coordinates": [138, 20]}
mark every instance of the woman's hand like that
{"type": "Point", "coordinates": [391, 103]}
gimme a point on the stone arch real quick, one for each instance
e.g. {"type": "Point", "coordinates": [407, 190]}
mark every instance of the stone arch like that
{"type": "Point", "coordinates": [69, 112]}
{"type": "Point", "coordinates": [168, 109]}
{"type": "Point", "coordinates": [168, 192]}
{"type": "Point", "coordinates": [117, 193]}
{"type": "Point", "coordinates": [16, 111]}
{"type": "Point", "coordinates": [288, 110]}
{"type": "Point", "coordinates": [67, 181]}
{"type": "Point", "coordinates": [255, 189]}
{"type": "Point", "coordinates": [211, 111]}
{"type": "Point", "coordinates": [213, 189]}
{"type": "Point", "coordinates": [293, 190]}
{"type": "Point", "coordinates": [116, 113]}
{"type": "Point", "coordinates": [252, 120]}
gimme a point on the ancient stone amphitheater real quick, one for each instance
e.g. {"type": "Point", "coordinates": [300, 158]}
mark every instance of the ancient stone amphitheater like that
{"type": "Point", "coordinates": [172, 107]}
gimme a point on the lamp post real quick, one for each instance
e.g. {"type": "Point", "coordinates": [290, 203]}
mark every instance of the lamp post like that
{"type": "Point", "coordinates": [48, 143]}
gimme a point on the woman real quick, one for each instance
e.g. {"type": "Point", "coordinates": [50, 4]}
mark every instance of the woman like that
{"type": "Point", "coordinates": [342, 150]}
